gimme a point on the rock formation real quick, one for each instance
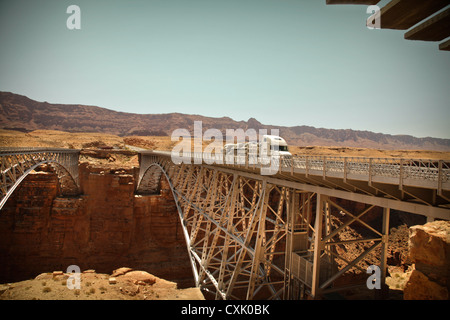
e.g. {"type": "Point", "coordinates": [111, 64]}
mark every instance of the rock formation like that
{"type": "Point", "coordinates": [429, 249]}
{"type": "Point", "coordinates": [123, 284]}
{"type": "Point", "coordinates": [24, 114]}
{"type": "Point", "coordinates": [105, 228]}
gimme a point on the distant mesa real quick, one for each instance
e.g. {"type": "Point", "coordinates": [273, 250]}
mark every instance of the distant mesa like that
{"type": "Point", "coordinates": [152, 133]}
{"type": "Point", "coordinates": [20, 113]}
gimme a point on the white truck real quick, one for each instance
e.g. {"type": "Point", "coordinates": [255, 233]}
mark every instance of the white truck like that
{"type": "Point", "coordinates": [269, 145]}
{"type": "Point", "coordinates": [274, 146]}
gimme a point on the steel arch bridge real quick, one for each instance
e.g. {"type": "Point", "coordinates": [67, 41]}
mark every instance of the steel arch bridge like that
{"type": "Point", "coordinates": [254, 236]}
{"type": "Point", "coordinates": [17, 163]}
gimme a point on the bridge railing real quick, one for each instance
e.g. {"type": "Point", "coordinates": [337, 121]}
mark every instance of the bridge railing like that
{"type": "Point", "coordinates": [421, 172]}
{"type": "Point", "coordinates": [436, 172]}
{"type": "Point", "coordinates": [17, 163]}
{"type": "Point", "coordinates": [21, 156]}
{"type": "Point", "coordinates": [27, 150]}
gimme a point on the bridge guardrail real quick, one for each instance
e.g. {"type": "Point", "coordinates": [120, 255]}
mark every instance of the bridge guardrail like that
{"type": "Point", "coordinates": [430, 173]}
{"type": "Point", "coordinates": [17, 163]}
{"type": "Point", "coordinates": [27, 150]}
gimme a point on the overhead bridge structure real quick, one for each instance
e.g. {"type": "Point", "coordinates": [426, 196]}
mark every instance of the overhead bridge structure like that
{"type": "Point", "coordinates": [253, 235]}
{"type": "Point", "coordinates": [421, 20]}
{"type": "Point", "coordinates": [17, 163]}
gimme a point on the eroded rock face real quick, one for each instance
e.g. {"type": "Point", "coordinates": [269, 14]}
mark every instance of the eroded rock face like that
{"type": "Point", "coordinates": [105, 228]}
{"type": "Point", "coordinates": [420, 287]}
{"type": "Point", "coordinates": [430, 244]}
{"type": "Point", "coordinates": [429, 249]}
{"type": "Point", "coordinates": [90, 285]}
{"type": "Point", "coordinates": [139, 277]}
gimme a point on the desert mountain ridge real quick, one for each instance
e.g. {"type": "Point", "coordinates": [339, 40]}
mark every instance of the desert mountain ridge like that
{"type": "Point", "coordinates": [21, 113]}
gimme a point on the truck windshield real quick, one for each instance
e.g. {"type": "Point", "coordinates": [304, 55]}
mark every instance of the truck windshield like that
{"type": "Point", "coordinates": [279, 148]}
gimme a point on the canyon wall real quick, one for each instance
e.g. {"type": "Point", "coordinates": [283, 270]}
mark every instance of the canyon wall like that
{"type": "Point", "coordinates": [105, 228]}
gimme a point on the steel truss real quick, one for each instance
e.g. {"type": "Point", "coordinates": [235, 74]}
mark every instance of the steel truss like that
{"type": "Point", "coordinates": [317, 254]}
{"type": "Point", "coordinates": [260, 237]}
{"type": "Point", "coordinates": [17, 163]}
{"type": "Point", "coordinates": [235, 235]}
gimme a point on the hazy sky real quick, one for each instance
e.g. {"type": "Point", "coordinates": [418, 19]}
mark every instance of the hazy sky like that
{"type": "Point", "coordinates": [283, 62]}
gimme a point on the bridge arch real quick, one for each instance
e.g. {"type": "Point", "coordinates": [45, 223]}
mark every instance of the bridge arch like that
{"type": "Point", "coordinates": [18, 163]}
{"type": "Point", "coordinates": [222, 214]}
{"type": "Point", "coordinates": [150, 183]}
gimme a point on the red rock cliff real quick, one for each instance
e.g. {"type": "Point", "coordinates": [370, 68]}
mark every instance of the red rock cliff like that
{"type": "Point", "coordinates": [105, 228]}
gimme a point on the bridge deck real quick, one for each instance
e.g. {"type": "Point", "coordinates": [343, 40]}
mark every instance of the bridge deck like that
{"type": "Point", "coordinates": [420, 173]}
{"type": "Point", "coordinates": [425, 182]}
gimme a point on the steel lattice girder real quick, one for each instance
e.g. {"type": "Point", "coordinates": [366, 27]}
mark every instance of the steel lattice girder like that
{"type": "Point", "coordinates": [226, 231]}
{"type": "Point", "coordinates": [231, 229]}
{"type": "Point", "coordinates": [17, 163]}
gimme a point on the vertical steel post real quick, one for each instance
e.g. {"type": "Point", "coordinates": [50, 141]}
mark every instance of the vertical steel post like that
{"type": "Point", "coordinates": [384, 246]}
{"type": "Point", "coordinates": [318, 245]}
{"type": "Point", "coordinates": [292, 209]}
{"type": "Point", "coordinates": [258, 243]}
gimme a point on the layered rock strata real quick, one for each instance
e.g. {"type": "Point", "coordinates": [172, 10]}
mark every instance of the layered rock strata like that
{"type": "Point", "coordinates": [105, 228]}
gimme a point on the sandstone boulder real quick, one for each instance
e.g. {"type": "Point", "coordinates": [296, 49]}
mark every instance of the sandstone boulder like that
{"type": "Point", "coordinates": [139, 276]}
{"type": "Point", "coordinates": [89, 271]}
{"type": "Point", "coordinates": [430, 244]}
{"type": "Point", "coordinates": [429, 250]}
{"type": "Point", "coordinates": [120, 271]}
{"type": "Point", "coordinates": [420, 287]}
{"type": "Point", "coordinates": [44, 276]}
